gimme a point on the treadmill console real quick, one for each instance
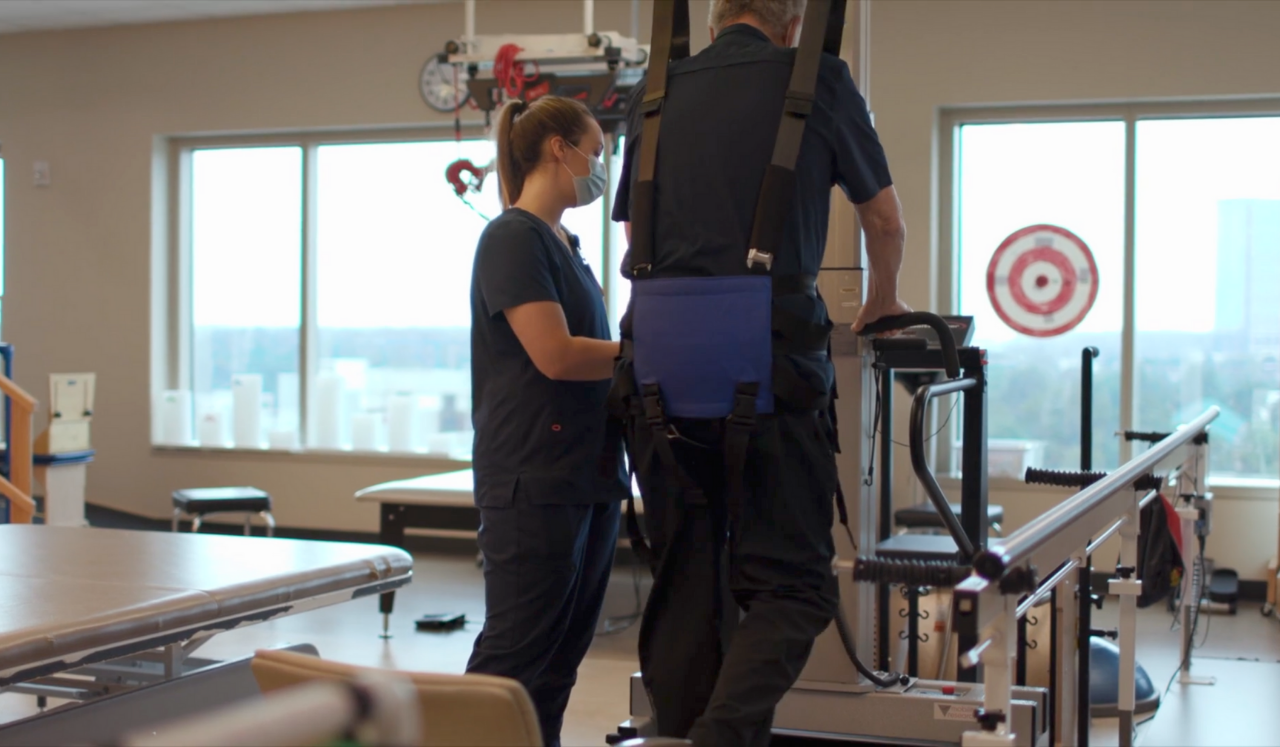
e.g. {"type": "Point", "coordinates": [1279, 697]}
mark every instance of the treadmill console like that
{"type": "Point", "coordinates": [961, 332]}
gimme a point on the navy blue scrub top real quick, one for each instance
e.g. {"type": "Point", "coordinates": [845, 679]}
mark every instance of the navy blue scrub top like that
{"type": "Point", "coordinates": [541, 436]}
{"type": "Point", "coordinates": [719, 123]}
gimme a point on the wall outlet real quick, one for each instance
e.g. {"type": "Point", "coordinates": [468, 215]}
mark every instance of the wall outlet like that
{"type": "Point", "coordinates": [42, 176]}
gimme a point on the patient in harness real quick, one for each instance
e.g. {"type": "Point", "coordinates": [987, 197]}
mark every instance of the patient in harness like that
{"type": "Point", "coordinates": [724, 385]}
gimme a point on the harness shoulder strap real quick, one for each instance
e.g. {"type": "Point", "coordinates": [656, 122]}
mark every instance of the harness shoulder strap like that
{"type": "Point", "coordinates": [822, 32]}
{"type": "Point", "coordinates": [670, 44]}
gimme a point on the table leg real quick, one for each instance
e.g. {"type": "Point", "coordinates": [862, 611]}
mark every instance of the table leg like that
{"type": "Point", "coordinates": [390, 532]}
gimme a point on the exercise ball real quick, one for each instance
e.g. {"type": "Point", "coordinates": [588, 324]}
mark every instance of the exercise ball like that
{"type": "Point", "coordinates": [1104, 682]}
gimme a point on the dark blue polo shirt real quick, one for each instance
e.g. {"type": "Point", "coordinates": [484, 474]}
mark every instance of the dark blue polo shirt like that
{"type": "Point", "coordinates": [719, 123]}
{"type": "Point", "coordinates": [541, 435]}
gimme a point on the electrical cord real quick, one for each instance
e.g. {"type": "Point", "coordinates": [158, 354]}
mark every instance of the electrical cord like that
{"type": "Point", "coordinates": [474, 209]}
{"type": "Point", "coordinates": [616, 625]}
{"type": "Point", "coordinates": [1197, 580]}
{"type": "Point", "coordinates": [876, 423]}
{"type": "Point", "coordinates": [846, 637]}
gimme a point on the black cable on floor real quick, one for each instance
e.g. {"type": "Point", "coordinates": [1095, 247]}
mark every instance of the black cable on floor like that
{"type": "Point", "coordinates": [615, 625]}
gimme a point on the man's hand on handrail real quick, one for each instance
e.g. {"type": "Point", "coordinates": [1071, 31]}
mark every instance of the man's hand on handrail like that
{"type": "Point", "coordinates": [886, 233]}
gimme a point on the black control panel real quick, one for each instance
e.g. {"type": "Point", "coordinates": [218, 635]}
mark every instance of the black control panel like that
{"type": "Point", "coordinates": [961, 332]}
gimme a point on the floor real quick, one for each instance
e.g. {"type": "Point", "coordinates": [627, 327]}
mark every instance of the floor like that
{"type": "Point", "coordinates": [1242, 650]}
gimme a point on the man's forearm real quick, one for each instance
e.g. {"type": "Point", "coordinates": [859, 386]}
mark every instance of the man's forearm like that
{"type": "Point", "coordinates": [884, 261]}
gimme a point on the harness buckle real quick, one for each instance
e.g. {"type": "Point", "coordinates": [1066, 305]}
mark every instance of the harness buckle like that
{"type": "Point", "coordinates": [798, 103]}
{"type": "Point", "coordinates": [757, 257]}
{"type": "Point", "coordinates": [652, 103]}
{"type": "Point", "coordinates": [653, 414]}
{"type": "Point", "coordinates": [744, 407]}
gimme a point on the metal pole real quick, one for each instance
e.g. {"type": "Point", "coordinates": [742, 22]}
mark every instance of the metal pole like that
{"type": "Point", "coordinates": [588, 16]}
{"type": "Point", "coordinates": [6, 351]}
{"type": "Point", "coordinates": [1128, 587]}
{"type": "Point", "coordinates": [913, 631]}
{"type": "Point", "coordinates": [1086, 408]}
{"type": "Point", "coordinates": [1128, 392]}
{"type": "Point", "coordinates": [470, 39]}
{"type": "Point", "coordinates": [973, 480]}
{"type": "Point", "coordinates": [1021, 679]}
{"type": "Point", "coordinates": [885, 394]}
{"type": "Point", "coordinates": [864, 50]}
{"type": "Point", "coordinates": [1084, 584]}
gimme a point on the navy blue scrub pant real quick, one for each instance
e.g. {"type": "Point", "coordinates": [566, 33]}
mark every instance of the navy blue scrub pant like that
{"type": "Point", "coordinates": [546, 569]}
{"type": "Point", "coordinates": [714, 674]}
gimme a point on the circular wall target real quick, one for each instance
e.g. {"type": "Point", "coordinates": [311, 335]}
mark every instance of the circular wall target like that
{"type": "Point", "coordinates": [1042, 280]}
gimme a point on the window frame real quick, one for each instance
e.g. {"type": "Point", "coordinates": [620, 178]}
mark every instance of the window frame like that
{"type": "Point", "coordinates": [947, 199]}
{"type": "Point", "coordinates": [177, 344]}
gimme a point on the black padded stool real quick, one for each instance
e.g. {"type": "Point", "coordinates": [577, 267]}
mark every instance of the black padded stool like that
{"type": "Point", "coordinates": [925, 516]}
{"type": "Point", "coordinates": [199, 502]}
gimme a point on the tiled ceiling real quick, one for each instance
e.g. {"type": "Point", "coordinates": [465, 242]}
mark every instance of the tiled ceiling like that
{"type": "Point", "coordinates": [32, 15]}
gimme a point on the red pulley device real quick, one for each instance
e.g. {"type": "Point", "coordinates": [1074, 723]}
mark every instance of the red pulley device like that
{"type": "Point", "coordinates": [460, 185]}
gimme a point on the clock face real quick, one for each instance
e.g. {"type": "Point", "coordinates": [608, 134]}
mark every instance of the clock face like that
{"type": "Point", "coordinates": [443, 86]}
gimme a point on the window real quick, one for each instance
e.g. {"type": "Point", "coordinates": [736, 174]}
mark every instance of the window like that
{"type": "Point", "coordinates": [394, 250]}
{"type": "Point", "coordinates": [329, 293]}
{"type": "Point", "coordinates": [1207, 223]}
{"type": "Point", "coordinates": [1074, 177]}
{"type": "Point", "coordinates": [246, 270]}
{"type": "Point", "coordinates": [619, 287]}
{"type": "Point", "coordinates": [1204, 323]}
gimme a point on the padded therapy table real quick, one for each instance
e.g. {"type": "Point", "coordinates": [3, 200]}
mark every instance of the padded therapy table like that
{"type": "Point", "coordinates": [440, 505]}
{"type": "Point", "coordinates": [88, 612]}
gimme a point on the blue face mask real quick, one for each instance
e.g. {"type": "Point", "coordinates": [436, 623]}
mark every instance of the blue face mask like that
{"type": "Point", "coordinates": [589, 188]}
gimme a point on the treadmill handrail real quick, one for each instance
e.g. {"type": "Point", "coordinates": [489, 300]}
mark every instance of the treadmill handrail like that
{"type": "Point", "coordinates": [950, 356]}
{"type": "Point", "coordinates": [919, 463]}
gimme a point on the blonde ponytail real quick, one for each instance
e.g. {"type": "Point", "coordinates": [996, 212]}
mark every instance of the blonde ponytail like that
{"type": "Point", "coordinates": [510, 176]}
{"type": "Point", "coordinates": [522, 130]}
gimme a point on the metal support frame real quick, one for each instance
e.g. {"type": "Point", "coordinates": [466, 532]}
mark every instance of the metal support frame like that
{"type": "Point", "coordinates": [119, 710]}
{"type": "Point", "coordinates": [986, 602]}
{"type": "Point", "coordinates": [1196, 520]}
{"type": "Point", "coordinates": [971, 530]}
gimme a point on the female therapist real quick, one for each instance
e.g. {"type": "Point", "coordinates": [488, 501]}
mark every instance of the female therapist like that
{"type": "Point", "coordinates": [541, 363]}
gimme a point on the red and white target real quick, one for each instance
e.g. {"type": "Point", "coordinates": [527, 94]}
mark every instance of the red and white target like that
{"type": "Point", "coordinates": [1042, 281]}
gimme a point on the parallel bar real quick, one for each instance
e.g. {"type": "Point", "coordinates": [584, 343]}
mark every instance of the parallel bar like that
{"type": "Point", "coordinates": [1023, 544]}
{"type": "Point", "coordinates": [1096, 542]}
{"type": "Point", "coordinates": [1048, 587]}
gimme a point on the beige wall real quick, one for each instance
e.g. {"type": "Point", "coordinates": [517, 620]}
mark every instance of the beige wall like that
{"type": "Point", "coordinates": [93, 102]}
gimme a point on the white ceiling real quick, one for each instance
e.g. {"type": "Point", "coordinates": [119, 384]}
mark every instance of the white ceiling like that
{"type": "Point", "coordinates": [31, 15]}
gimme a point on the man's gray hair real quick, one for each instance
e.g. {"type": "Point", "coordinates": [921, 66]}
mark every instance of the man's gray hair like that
{"type": "Point", "coordinates": [775, 15]}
